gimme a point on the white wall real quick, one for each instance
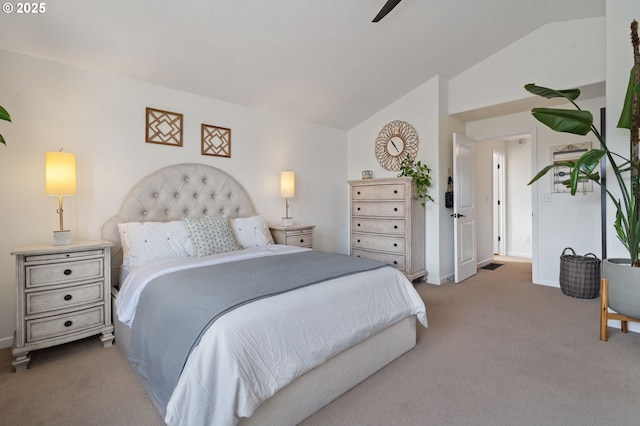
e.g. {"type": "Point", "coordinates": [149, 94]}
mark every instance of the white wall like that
{"type": "Point", "coordinates": [518, 198]}
{"type": "Point", "coordinates": [101, 118]}
{"type": "Point", "coordinates": [517, 173]}
{"type": "Point", "coordinates": [420, 109]}
{"type": "Point", "coordinates": [575, 49]}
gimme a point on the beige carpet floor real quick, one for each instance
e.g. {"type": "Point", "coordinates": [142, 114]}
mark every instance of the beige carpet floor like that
{"type": "Point", "coordinates": [498, 351]}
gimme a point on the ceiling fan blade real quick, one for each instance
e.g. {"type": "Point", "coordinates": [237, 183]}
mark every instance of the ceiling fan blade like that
{"type": "Point", "coordinates": [388, 7]}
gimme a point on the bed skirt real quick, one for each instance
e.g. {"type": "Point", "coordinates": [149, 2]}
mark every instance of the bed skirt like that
{"type": "Point", "coordinates": [323, 384]}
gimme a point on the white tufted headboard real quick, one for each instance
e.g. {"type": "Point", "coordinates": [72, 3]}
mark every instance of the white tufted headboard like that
{"type": "Point", "coordinates": [174, 192]}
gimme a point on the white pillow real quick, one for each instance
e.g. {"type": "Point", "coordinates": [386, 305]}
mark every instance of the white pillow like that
{"type": "Point", "coordinates": [210, 235]}
{"type": "Point", "coordinates": [251, 231]}
{"type": "Point", "coordinates": [142, 241]}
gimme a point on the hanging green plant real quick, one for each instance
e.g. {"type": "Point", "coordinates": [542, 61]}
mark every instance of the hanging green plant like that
{"type": "Point", "coordinates": [4, 115]}
{"type": "Point", "coordinates": [421, 176]}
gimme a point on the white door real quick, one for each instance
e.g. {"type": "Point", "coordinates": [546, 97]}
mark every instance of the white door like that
{"type": "Point", "coordinates": [464, 207]}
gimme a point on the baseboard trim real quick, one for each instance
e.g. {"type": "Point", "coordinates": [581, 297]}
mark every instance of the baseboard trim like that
{"type": "Point", "coordinates": [6, 342]}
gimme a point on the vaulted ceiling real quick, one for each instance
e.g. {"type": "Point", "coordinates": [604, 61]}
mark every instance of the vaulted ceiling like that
{"type": "Point", "coordinates": [321, 61]}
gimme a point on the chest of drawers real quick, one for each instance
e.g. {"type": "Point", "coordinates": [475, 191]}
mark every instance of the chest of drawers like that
{"type": "Point", "coordinates": [388, 223]}
{"type": "Point", "coordinates": [62, 295]}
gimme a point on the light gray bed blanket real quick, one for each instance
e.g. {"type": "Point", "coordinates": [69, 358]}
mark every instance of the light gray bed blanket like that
{"type": "Point", "coordinates": [176, 309]}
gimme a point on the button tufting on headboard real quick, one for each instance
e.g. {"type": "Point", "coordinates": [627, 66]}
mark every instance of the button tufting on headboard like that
{"type": "Point", "coordinates": [168, 194]}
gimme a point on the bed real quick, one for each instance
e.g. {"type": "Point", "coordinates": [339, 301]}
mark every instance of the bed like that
{"type": "Point", "coordinates": [359, 321]}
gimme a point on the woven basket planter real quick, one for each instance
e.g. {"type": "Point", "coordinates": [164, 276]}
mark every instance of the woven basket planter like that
{"type": "Point", "coordinates": [579, 275]}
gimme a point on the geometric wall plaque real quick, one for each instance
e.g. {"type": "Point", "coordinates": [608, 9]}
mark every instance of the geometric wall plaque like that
{"type": "Point", "coordinates": [164, 127]}
{"type": "Point", "coordinates": [216, 141]}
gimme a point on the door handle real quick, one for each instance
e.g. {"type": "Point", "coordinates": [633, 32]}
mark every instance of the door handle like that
{"type": "Point", "coordinates": [457, 215]}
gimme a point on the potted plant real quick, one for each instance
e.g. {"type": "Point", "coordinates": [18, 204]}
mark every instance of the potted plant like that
{"type": "Point", "coordinates": [421, 176]}
{"type": "Point", "coordinates": [4, 115]}
{"type": "Point", "coordinates": [626, 170]}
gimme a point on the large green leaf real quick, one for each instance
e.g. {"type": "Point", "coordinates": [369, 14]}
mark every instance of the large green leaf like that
{"type": "Point", "coordinates": [545, 92]}
{"type": "Point", "coordinates": [4, 115]}
{"type": "Point", "coordinates": [577, 122]}
{"type": "Point", "coordinates": [625, 115]}
{"type": "Point", "coordinates": [550, 167]}
{"type": "Point", "coordinates": [584, 168]}
{"type": "Point", "coordinates": [2, 140]}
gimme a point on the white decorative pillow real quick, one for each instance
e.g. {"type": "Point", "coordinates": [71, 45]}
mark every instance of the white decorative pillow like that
{"type": "Point", "coordinates": [210, 235]}
{"type": "Point", "coordinates": [142, 241]}
{"type": "Point", "coordinates": [251, 231]}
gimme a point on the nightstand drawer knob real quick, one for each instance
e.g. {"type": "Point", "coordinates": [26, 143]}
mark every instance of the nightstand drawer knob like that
{"type": "Point", "coordinates": [395, 209]}
{"type": "Point", "coordinates": [68, 297]}
{"type": "Point", "coordinates": [67, 271]}
{"type": "Point", "coordinates": [68, 323]}
{"type": "Point", "coordinates": [302, 240]}
{"type": "Point", "coordinates": [395, 244]}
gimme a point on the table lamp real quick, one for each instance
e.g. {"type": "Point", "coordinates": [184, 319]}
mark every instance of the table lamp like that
{"type": "Point", "coordinates": [60, 181]}
{"type": "Point", "coordinates": [287, 188]}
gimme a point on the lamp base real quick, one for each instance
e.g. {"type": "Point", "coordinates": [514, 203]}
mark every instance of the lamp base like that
{"type": "Point", "coordinates": [61, 238]}
{"type": "Point", "coordinates": [287, 221]}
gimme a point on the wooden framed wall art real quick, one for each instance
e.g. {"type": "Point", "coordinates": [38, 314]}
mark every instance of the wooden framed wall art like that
{"type": "Point", "coordinates": [164, 127]}
{"type": "Point", "coordinates": [216, 141]}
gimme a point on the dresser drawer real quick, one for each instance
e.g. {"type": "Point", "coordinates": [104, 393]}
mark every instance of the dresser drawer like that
{"type": "Point", "coordinates": [378, 226]}
{"type": "Point", "coordinates": [380, 209]}
{"type": "Point", "coordinates": [392, 259]}
{"type": "Point", "coordinates": [63, 272]}
{"type": "Point", "coordinates": [45, 328]}
{"type": "Point", "coordinates": [378, 243]}
{"type": "Point", "coordinates": [378, 192]}
{"type": "Point", "coordinates": [64, 298]}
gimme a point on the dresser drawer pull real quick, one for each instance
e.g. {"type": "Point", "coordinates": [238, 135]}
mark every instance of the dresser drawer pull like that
{"type": "Point", "coordinates": [302, 240]}
{"type": "Point", "coordinates": [67, 271]}
{"type": "Point", "coordinates": [395, 209]}
{"type": "Point", "coordinates": [395, 191]}
{"type": "Point", "coordinates": [358, 224]}
{"type": "Point", "coordinates": [358, 192]}
{"type": "Point", "coordinates": [68, 297]}
{"type": "Point", "coordinates": [68, 323]}
{"type": "Point", "coordinates": [358, 208]}
{"type": "Point", "coordinates": [395, 262]}
{"type": "Point", "coordinates": [358, 240]}
{"type": "Point", "coordinates": [395, 244]}
{"type": "Point", "coordinates": [395, 226]}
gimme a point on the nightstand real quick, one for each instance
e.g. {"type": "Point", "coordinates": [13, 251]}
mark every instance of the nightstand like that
{"type": "Point", "coordinates": [63, 294]}
{"type": "Point", "coordinates": [295, 235]}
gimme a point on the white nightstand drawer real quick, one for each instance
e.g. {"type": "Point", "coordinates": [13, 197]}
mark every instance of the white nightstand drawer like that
{"type": "Point", "coordinates": [44, 328]}
{"type": "Point", "coordinates": [63, 272]}
{"type": "Point", "coordinates": [64, 298]}
{"type": "Point", "coordinates": [381, 209]}
{"type": "Point", "coordinates": [302, 239]}
{"type": "Point", "coordinates": [379, 226]}
{"type": "Point", "coordinates": [376, 242]}
{"type": "Point", "coordinates": [378, 192]}
{"type": "Point", "coordinates": [71, 255]}
{"type": "Point", "coordinates": [395, 260]}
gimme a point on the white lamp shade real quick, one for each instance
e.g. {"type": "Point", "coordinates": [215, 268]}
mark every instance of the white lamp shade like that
{"type": "Point", "coordinates": [60, 173]}
{"type": "Point", "coordinates": [287, 184]}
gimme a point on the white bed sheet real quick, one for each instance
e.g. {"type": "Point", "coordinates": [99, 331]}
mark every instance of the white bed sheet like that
{"type": "Point", "coordinates": [250, 353]}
